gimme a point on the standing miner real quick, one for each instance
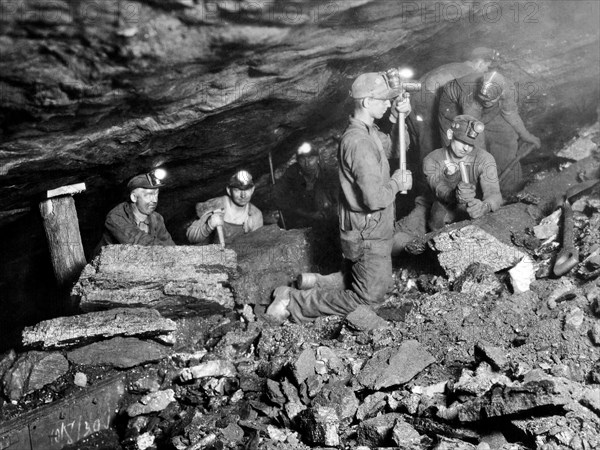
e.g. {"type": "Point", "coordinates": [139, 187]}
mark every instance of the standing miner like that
{"type": "Point", "coordinates": [366, 210]}
{"type": "Point", "coordinates": [490, 98]}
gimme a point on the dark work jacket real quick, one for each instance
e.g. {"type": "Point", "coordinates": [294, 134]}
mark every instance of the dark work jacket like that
{"type": "Point", "coordinates": [120, 228]}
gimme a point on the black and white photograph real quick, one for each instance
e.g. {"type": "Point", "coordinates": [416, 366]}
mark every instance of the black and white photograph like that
{"type": "Point", "coordinates": [299, 224]}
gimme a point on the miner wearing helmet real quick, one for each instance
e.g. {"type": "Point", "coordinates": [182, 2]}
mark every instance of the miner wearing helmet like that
{"type": "Point", "coordinates": [491, 98]}
{"type": "Point", "coordinates": [366, 209]}
{"type": "Point", "coordinates": [306, 194]}
{"type": "Point", "coordinates": [463, 179]}
{"type": "Point", "coordinates": [136, 221]}
{"type": "Point", "coordinates": [233, 213]}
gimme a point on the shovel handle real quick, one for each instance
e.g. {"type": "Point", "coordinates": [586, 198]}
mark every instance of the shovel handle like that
{"type": "Point", "coordinates": [402, 142]}
{"type": "Point", "coordinates": [568, 257]}
{"type": "Point", "coordinates": [221, 236]}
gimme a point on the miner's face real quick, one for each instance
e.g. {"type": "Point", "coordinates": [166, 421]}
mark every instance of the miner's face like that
{"type": "Point", "coordinates": [460, 149]}
{"type": "Point", "coordinates": [308, 164]}
{"type": "Point", "coordinates": [145, 200]}
{"type": "Point", "coordinates": [377, 106]}
{"type": "Point", "coordinates": [240, 197]}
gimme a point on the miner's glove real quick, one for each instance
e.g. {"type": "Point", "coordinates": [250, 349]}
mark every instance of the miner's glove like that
{"type": "Point", "coordinates": [476, 208]}
{"type": "Point", "coordinates": [465, 192]}
{"type": "Point", "coordinates": [216, 219]}
{"type": "Point", "coordinates": [403, 179]}
{"type": "Point", "coordinates": [401, 104]}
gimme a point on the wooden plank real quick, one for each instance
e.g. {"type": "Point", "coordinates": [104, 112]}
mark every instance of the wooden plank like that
{"type": "Point", "coordinates": [67, 421]}
{"type": "Point", "coordinates": [66, 190]}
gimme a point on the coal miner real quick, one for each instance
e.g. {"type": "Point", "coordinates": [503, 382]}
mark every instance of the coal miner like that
{"type": "Point", "coordinates": [305, 195]}
{"type": "Point", "coordinates": [136, 221]}
{"type": "Point", "coordinates": [425, 127]}
{"type": "Point", "coordinates": [366, 209]}
{"type": "Point", "coordinates": [490, 98]}
{"type": "Point", "coordinates": [230, 214]}
{"type": "Point", "coordinates": [462, 178]}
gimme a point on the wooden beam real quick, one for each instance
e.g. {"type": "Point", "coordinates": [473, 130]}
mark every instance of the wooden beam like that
{"type": "Point", "coordinates": [66, 190]}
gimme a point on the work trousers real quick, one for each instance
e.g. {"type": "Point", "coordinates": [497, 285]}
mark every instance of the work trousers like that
{"type": "Point", "coordinates": [502, 141]}
{"type": "Point", "coordinates": [369, 280]}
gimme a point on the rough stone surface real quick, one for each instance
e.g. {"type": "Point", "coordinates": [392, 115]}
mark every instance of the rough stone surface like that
{"type": "Point", "coordinates": [216, 368]}
{"type": "Point", "coordinates": [377, 431]}
{"type": "Point", "coordinates": [371, 406]}
{"type": "Point", "coordinates": [153, 402]}
{"type": "Point", "coordinates": [304, 366]}
{"type": "Point", "coordinates": [395, 366]}
{"type": "Point", "coordinates": [364, 318]}
{"type": "Point", "coordinates": [80, 379]}
{"type": "Point", "coordinates": [478, 279]}
{"type": "Point", "coordinates": [67, 331]}
{"type": "Point", "coordinates": [496, 356]}
{"type": "Point", "coordinates": [510, 400]}
{"type": "Point", "coordinates": [32, 371]}
{"type": "Point", "coordinates": [339, 397]}
{"type": "Point", "coordinates": [320, 425]}
{"type": "Point", "coordinates": [486, 241]}
{"type": "Point", "coordinates": [174, 280]}
{"type": "Point", "coordinates": [118, 352]}
{"type": "Point", "coordinates": [595, 334]}
{"type": "Point", "coordinates": [404, 435]}
{"type": "Point", "coordinates": [262, 271]}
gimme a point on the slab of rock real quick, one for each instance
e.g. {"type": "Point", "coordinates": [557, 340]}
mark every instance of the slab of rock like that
{"type": "Point", "coordinates": [320, 425]}
{"type": "Point", "coordinates": [215, 368]}
{"type": "Point", "coordinates": [32, 371]}
{"type": "Point", "coordinates": [152, 402]}
{"type": "Point", "coordinates": [175, 280]}
{"type": "Point", "coordinates": [479, 382]}
{"type": "Point", "coordinates": [394, 366]}
{"type": "Point", "coordinates": [118, 352]}
{"type": "Point", "coordinates": [486, 240]}
{"type": "Point", "coordinates": [364, 318]}
{"type": "Point", "coordinates": [371, 406]}
{"type": "Point", "coordinates": [339, 397]}
{"type": "Point", "coordinates": [67, 331]}
{"type": "Point", "coordinates": [513, 400]}
{"type": "Point", "coordinates": [377, 431]}
{"type": "Point", "coordinates": [495, 356]}
{"type": "Point", "coordinates": [270, 257]}
{"type": "Point", "coordinates": [405, 436]}
{"type": "Point", "coordinates": [304, 365]}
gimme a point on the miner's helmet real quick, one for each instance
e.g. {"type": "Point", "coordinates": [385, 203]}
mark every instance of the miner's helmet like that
{"type": "Point", "coordinates": [241, 180]}
{"type": "Point", "coordinates": [151, 180]}
{"type": "Point", "coordinates": [466, 128]}
{"type": "Point", "coordinates": [374, 85]}
{"type": "Point", "coordinates": [492, 86]}
{"type": "Point", "coordinates": [306, 150]}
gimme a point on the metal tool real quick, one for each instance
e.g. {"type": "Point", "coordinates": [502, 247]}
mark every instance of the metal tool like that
{"type": "Point", "coordinates": [273, 183]}
{"type": "Point", "coordinates": [568, 257]}
{"type": "Point", "coordinates": [402, 142]}
{"type": "Point", "coordinates": [221, 236]}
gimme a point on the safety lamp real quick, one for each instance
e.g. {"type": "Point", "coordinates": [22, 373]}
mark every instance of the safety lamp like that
{"type": "Point", "coordinates": [400, 79]}
{"type": "Point", "coordinates": [156, 177]}
{"type": "Point", "coordinates": [474, 127]}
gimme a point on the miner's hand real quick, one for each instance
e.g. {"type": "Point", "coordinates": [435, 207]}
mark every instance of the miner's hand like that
{"type": "Point", "coordinates": [476, 209]}
{"type": "Point", "coordinates": [465, 192]}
